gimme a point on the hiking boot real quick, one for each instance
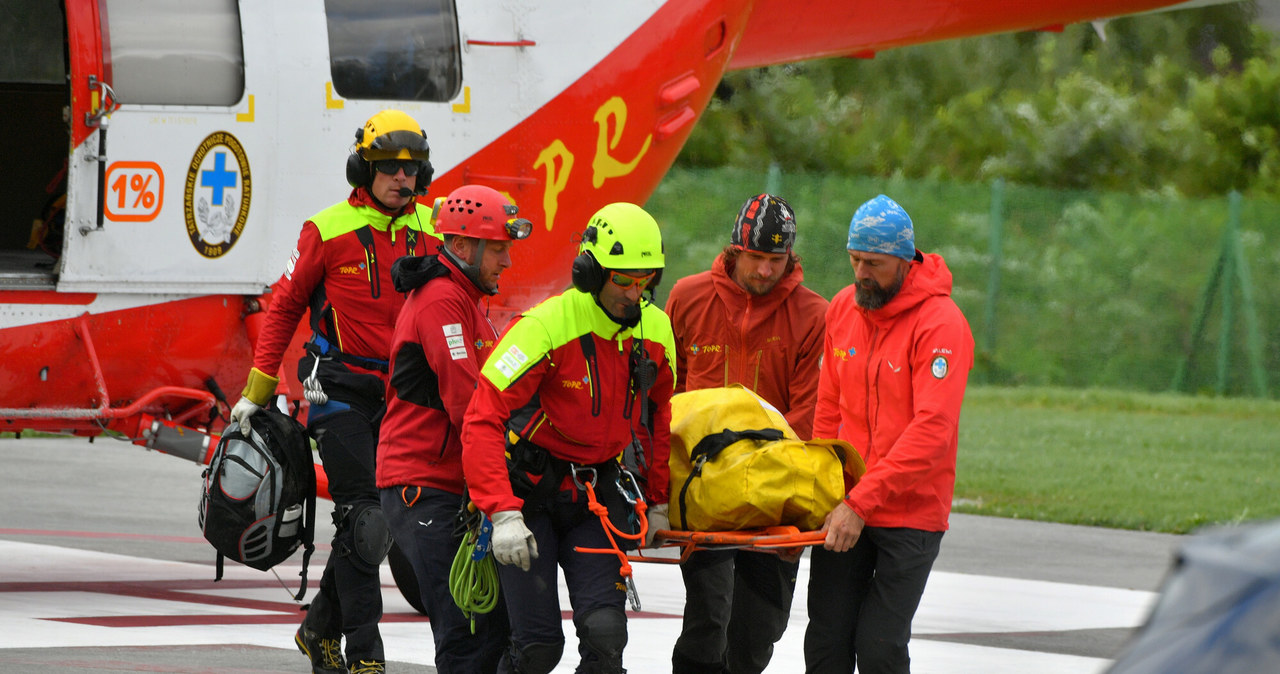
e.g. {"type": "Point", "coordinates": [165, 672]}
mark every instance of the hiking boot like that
{"type": "Point", "coordinates": [325, 654]}
{"type": "Point", "coordinates": [369, 667]}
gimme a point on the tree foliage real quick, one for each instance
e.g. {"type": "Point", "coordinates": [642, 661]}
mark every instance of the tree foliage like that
{"type": "Point", "coordinates": [1181, 102]}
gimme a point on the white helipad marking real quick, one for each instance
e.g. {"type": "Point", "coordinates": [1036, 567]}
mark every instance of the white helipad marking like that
{"type": "Point", "coordinates": [953, 603]}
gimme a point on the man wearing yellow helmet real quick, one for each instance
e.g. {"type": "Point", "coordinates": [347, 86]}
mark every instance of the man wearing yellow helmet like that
{"type": "Point", "coordinates": [341, 273]}
{"type": "Point", "coordinates": [572, 384]}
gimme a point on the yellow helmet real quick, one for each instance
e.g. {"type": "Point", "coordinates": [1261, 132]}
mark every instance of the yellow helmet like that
{"type": "Point", "coordinates": [619, 237]}
{"type": "Point", "coordinates": [392, 134]}
{"type": "Point", "coordinates": [624, 236]}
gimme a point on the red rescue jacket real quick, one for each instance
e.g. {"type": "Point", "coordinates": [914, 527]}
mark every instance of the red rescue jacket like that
{"type": "Point", "coordinates": [441, 339]}
{"type": "Point", "coordinates": [771, 344]}
{"type": "Point", "coordinates": [577, 361]}
{"type": "Point", "coordinates": [891, 385]}
{"type": "Point", "coordinates": [341, 271]}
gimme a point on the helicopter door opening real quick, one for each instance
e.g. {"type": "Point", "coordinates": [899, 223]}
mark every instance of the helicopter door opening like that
{"type": "Point", "coordinates": [34, 142]}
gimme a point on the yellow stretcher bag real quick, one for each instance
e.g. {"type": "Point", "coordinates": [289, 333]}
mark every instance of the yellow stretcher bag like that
{"type": "Point", "coordinates": [736, 464]}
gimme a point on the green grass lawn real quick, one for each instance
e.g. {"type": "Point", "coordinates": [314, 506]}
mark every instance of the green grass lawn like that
{"type": "Point", "coordinates": [1126, 460]}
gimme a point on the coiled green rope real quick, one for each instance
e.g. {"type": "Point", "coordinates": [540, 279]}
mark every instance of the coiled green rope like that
{"type": "Point", "coordinates": [473, 583]}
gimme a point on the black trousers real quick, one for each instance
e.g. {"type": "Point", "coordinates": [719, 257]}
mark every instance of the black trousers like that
{"type": "Point", "coordinates": [350, 598]}
{"type": "Point", "coordinates": [862, 602]}
{"type": "Point", "coordinates": [737, 605]}
{"type": "Point", "coordinates": [594, 580]}
{"type": "Point", "coordinates": [424, 523]}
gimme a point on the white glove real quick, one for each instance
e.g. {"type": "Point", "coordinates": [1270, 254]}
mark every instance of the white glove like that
{"type": "Point", "coordinates": [657, 520]}
{"type": "Point", "coordinates": [244, 409]}
{"type": "Point", "coordinates": [513, 543]}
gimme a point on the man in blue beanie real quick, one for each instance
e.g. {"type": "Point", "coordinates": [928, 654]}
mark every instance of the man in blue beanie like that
{"type": "Point", "coordinates": [897, 358]}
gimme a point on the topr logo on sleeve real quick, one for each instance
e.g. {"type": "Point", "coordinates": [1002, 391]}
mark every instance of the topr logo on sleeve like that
{"type": "Point", "coordinates": [939, 367]}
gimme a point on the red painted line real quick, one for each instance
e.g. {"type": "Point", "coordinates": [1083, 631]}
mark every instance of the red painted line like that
{"type": "Point", "coordinates": [100, 534]}
{"type": "Point", "coordinates": [280, 619]}
{"type": "Point", "coordinates": [45, 297]}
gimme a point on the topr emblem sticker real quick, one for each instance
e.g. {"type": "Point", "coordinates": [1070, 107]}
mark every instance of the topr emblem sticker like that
{"type": "Point", "coordinates": [217, 194]}
{"type": "Point", "coordinates": [939, 367]}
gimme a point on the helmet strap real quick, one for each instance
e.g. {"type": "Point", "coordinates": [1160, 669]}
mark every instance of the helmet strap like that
{"type": "Point", "coordinates": [472, 270]}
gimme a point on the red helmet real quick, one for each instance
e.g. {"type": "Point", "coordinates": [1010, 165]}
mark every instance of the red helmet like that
{"type": "Point", "coordinates": [481, 213]}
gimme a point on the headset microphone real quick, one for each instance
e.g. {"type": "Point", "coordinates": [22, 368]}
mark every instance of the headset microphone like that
{"type": "Point", "coordinates": [406, 192]}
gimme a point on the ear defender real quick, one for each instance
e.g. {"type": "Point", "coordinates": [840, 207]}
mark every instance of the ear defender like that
{"type": "Point", "coordinates": [357, 167]}
{"type": "Point", "coordinates": [588, 276]}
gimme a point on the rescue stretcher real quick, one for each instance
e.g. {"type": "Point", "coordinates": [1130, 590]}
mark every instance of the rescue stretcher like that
{"type": "Point", "coordinates": [785, 541]}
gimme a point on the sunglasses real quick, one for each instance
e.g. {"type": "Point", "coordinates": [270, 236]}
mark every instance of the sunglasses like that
{"type": "Point", "coordinates": [626, 280]}
{"type": "Point", "coordinates": [393, 166]}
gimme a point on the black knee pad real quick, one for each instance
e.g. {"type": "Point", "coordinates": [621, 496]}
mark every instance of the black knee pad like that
{"type": "Point", "coordinates": [604, 633]}
{"type": "Point", "coordinates": [364, 536]}
{"type": "Point", "coordinates": [536, 658]}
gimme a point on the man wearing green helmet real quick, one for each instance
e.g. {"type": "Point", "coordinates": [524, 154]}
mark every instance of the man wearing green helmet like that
{"type": "Point", "coordinates": [572, 384]}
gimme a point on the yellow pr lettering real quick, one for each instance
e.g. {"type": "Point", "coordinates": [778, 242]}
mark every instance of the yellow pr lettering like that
{"type": "Point", "coordinates": [604, 166]}
{"type": "Point", "coordinates": [557, 176]}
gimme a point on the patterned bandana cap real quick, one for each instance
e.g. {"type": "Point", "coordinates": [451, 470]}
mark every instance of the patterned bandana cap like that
{"type": "Point", "coordinates": [765, 224]}
{"type": "Point", "coordinates": [881, 226]}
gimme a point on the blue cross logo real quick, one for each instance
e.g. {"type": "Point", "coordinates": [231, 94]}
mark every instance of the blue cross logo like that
{"type": "Point", "coordinates": [219, 178]}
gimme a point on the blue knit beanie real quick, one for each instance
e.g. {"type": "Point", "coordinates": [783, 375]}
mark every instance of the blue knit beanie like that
{"type": "Point", "coordinates": [881, 226]}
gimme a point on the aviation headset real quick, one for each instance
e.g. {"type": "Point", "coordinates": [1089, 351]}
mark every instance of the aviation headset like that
{"type": "Point", "coordinates": [588, 275]}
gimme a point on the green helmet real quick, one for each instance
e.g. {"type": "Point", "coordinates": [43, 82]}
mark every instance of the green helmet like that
{"type": "Point", "coordinates": [624, 236]}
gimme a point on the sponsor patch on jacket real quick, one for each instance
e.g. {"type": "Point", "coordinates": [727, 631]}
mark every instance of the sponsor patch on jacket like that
{"type": "Point", "coordinates": [292, 265]}
{"type": "Point", "coordinates": [510, 361]}
{"type": "Point", "coordinates": [454, 341]}
{"type": "Point", "coordinates": [458, 353]}
{"type": "Point", "coordinates": [452, 329]}
{"type": "Point", "coordinates": [939, 367]}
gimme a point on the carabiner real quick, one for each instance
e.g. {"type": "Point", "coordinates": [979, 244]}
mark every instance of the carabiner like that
{"type": "Point", "coordinates": [631, 489]}
{"type": "Point", "coordinates": [573, 470]}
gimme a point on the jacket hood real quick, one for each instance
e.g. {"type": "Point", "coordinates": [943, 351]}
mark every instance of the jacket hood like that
{"type": "Point", "coordinates": [929, 277]}
{"type": "Point", "coordinates": [413, 271]}
{"type": "Point", "coordinates": [737, 297]}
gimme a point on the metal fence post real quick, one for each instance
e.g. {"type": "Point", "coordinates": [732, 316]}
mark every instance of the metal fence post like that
{"type": "Point", "coordinates": [993, 280]}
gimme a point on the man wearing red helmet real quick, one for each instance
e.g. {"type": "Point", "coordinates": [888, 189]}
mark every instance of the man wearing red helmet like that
{"type": "Point", "coordinates": [747, 321]}
{"type": "Point", "coordinates": [341, 272]}
{"type": "Point", "coordinates": [441, 340]}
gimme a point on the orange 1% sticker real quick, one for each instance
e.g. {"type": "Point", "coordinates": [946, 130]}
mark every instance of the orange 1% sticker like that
{"type": "Point", "coordinates": [135, 191]}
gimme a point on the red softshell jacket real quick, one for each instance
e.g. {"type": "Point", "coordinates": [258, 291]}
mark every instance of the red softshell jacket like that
{"type": "Point", "coordinates": [441, 340]}
{"type": "Point", "coordinates": [771, 344]}
{"type": "Point", "coordinates": [577, 362]}
{"type": "Point", "coordinates": [354, 278]}
{"type": "Point", "coordinates": [891, 385]}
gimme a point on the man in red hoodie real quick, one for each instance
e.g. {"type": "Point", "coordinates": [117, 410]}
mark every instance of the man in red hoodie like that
{"type": "Point", "coordinates": [441, 340]}
{"type": "Point", "coordinates": [341, 272]}
{"type": "Point", "coordinates": [897, 357]}
{"type": "Point", "coordinates": [747, 321]}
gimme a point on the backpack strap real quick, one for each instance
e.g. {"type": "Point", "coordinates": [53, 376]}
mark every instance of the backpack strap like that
{"type": "Point", "coordinates": [308, 526]}
{"type": "Point", "coordinates": [708, 448]}
{"type": "Point", "coordinates": [309, 537]}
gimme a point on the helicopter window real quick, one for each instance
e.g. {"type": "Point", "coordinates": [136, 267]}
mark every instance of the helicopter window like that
{"type": "Point", "coordinates": [32, 36]}
{"type": "Point", "coordinates": [175, 52]}
{"type": "Point", "coordinates": [394, 49]}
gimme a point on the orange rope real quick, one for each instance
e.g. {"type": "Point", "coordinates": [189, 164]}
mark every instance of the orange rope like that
{"type": "Point", "coordinates": [610, 531]}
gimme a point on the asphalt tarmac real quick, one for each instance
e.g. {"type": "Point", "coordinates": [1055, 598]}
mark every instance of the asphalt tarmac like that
{"type": "Point", "coordinates": [103, 569]}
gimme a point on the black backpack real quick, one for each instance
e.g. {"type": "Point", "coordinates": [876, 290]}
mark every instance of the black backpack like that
{"type": "Point", "coordinates": [259, 499]}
